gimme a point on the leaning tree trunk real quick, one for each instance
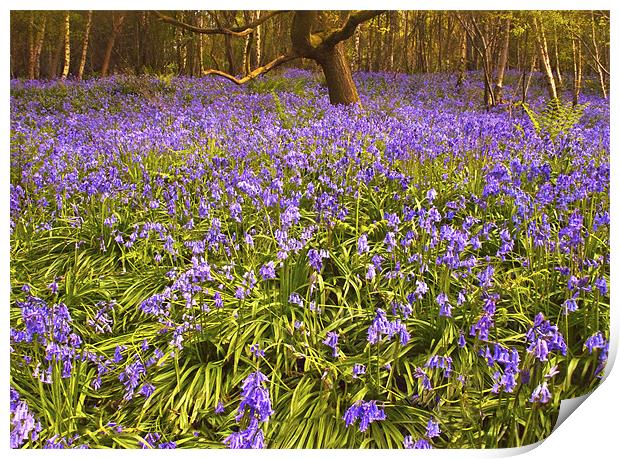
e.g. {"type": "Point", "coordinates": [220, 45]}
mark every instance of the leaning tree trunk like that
{"type": "Point", "coordinates": [89, 21]}
{"type": "Point", "coordinates": [338, 77]}
{"type": "Point", "coordinates": [117, 23]}
{"type": "Point", "coordinates": [598, 66]}
{"type": "Point", "coordinates": [39, 47]}
{"type": "Point", "coordinates": [543, 54]}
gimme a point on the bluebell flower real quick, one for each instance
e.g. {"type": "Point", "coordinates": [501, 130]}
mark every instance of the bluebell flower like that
{"type": "Point", "coordinates": [541, 394]}
{"type": "Point", "coordinates": [408, 442]}
{"type": "Point", "coordinates": [366, 412]}
{"type": "Point", "coordinates": [267, 271]}
{"type": "Point", "coordinates": [544, 338]}
{"type": "Point", "coordinates": [257, 351]}
{"type": "Point", "coordinates": [432, 429]}
{"type": "Point", "coordinates": [421, 289]}
{"type": "Point", "coordinates": [445, 308]}
{"type": "Point", "coordinates": [570, 305]}
{"type": "Point", "coordinates": [371, 272]}
{"type": "Point", "coordinates": [422, 444]}
{"type": "Point", "coordinates": [358, 369]}
{"type": "Point", "coordinates": [362, 244]}
{"type": "Point", "coordinates": [332, 341]}
{"type": "Point", "coordinates": [147, 389]}
{"type": "Point", "coordinates": [601, 284]}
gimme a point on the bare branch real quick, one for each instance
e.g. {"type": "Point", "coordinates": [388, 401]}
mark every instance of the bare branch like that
{"type": "Point", "coordinates": [257, 71]}
{"type": "Point", "coordinates": [334, 37]}
{"type": "Point", "coordinates": [591, 53]}
{"type": "Point", "coordinates": [240, 31]}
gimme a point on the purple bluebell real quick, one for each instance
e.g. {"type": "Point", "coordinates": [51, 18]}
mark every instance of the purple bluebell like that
{"type": "Point", "coordinates": [432, 429]}
{"type": "Point", "coordinates": [366, 412]}
{"type": "Point", "coordinates": [541, 394]}
{"type": "Point", "coordinates": [332, 341]}
{"type": "Point", "coordinates": [362, 244]}
{"type": "Point", "coordinates": [358, 369]}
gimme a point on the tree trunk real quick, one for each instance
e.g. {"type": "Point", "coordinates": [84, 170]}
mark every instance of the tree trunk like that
{"type": "Point", "coordinates": [31, 46]}
{"type": "Point", "coordinates": [356, 50]}
{"type": "Point", "coordinates": [38, 47]}
{"type": "Point", "coordinates": [67, 60]}
{"type": "Point", "coordinates": [543, 54]}
{"type": "Point", "coordinates": [56, 56]}
{"type": "Point", "coordinates": [89, 21]}
{"type": "Point", "coordinates": [527, 81]}
{"type": "Point", "coordinates": [338, 76]}
{"type": "Point", "coordinates": [599, 70]}
{"type": "Point", "coordinates": [462, 60]}
{"type": "Point", "coordinates": [200, 45]}
{"type": "Point", "coordinates": [117, 23]}
{"type": "Point", "coordinates": [501, 67]}
{"type": "Point", "coordinates": [577, 66]}
{"type": "Point", "coordinates": [259, 42]}
{"type": "Point", "coordinates": [558, 71]}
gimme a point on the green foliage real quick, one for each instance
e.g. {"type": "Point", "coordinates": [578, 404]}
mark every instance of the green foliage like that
{"type": "Point", "coordinates": [556, 118]}
{"type": "Point", "coordinates": [277, 84]}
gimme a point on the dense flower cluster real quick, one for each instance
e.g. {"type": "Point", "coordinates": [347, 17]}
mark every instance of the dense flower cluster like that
{"type": "Point", "coordinates": [365, 412]}
{"type": "Point", "coordinates": [168, 236]}
{"type": "Point", "coordinates": [255, 407]}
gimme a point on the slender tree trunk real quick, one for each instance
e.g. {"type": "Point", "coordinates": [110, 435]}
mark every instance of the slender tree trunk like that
{"type": "Point", "coordinates": [201, 67]}
{"type": "Point", "coordinates": [577, 66]}
{"type": "Point", "coordinates": [501, 67]}
{"type": "Point", "coordinates": [528, 80]}
{"type": "Point", "coordinates": [356, 50]}
{"type": "Point", "coordinates": [31, 46]}
{"type": "Point", "coordinates": [117, 23]}
{"type": "Point", "coordinates": [543, 54]}
{"type": "Point", "coordinates": [599, 70]}
{"type": "Point", "coordinates": [259, 42]}
{"type": "Point", "coordinates": [338, 75]}
{"type": "Point", "coordinates": [462, 60]}
{"type": "Point", "coordinates": [67, 61]}
{"type": "Point", "coordinates": [558, 70]}
{"type": "Point", "coordinates": [38, 47]}
{"type": "Point", "coordinates": [57, 54]}
{"type": "Point", "coordinates": [89, 21]}
{"type": "Point", "coordinates": [405, 56]}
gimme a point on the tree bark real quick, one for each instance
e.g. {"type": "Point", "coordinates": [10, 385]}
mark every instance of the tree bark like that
{"type": "Point", "coordinates": [501, 67]}
{"type": "Point", "coordinates": [462, 60]}
{"type": "Point", "coordinates": [543, 55]}
{"type": "Point", "coordinates": [38, 47]}
{"type": "Point", "coordinates": [259, 42]}
{"type": "Point", "coordinates": [340, 84]}
{"type": "Point", "coordinates": [31, 46]}
{"type": "Point", "coordinates": [577, 66]}
{"type": "Point", "coordinates": [117, 23]}
{"type": "Point", "coordinates": [598, 66]}
{"type": "Point", "coordinates": [558, 70]}
{"type": "Point", "coordinates": [89, 21]}
{"type": "Point", "coordinates": [67, 60]}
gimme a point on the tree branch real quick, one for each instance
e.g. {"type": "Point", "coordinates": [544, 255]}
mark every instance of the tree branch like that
{"type": "Point", "coordinates": [334, 37]}
{"type": "Point", "coordinates": [257, 71]}
{"type": "Point", "coordinates": [240, 31]}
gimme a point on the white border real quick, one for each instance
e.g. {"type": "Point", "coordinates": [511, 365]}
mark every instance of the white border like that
{"type": "Point", "coordinates": [592, 431]}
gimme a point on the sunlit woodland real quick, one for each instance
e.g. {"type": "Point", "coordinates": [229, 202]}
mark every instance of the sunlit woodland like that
{"type": "Point", "coordinates": [306, 229]}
